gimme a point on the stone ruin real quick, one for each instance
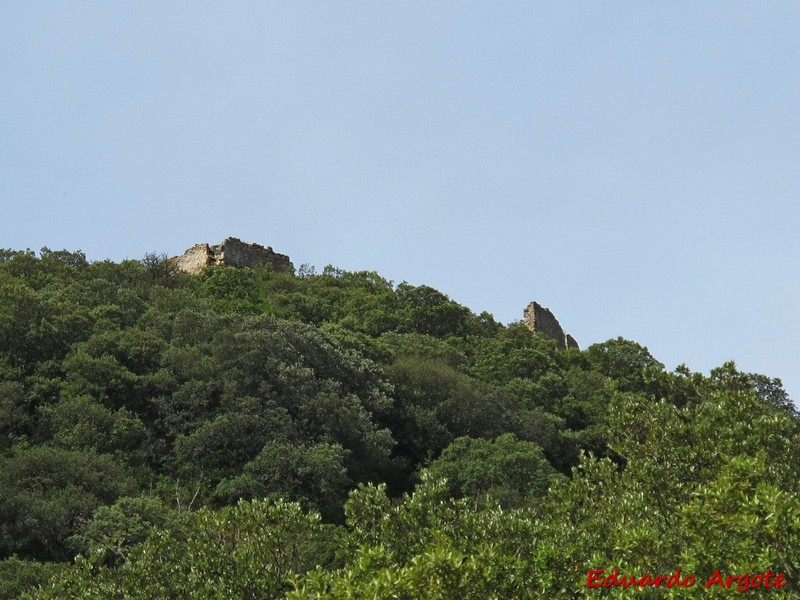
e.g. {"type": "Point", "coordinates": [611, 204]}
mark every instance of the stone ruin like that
{"type": "Point", "coordinates": [232, 252]}
{"type": "Point", "coordinates": [539, 319]}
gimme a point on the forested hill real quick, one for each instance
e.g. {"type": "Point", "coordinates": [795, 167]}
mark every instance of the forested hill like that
{"type": "Point", "coordinates": [244, 433]}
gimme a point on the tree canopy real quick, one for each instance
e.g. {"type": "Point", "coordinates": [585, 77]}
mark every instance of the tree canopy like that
{"type": "Point", "coordinates": [251, 434]}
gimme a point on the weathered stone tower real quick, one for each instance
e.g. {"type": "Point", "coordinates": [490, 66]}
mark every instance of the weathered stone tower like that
{"type": "Point", "coordinates": [539, 319]}
{"type": "Point", "coordinates": [232, 252]}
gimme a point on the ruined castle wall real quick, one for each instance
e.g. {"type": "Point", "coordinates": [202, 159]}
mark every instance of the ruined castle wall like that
{"type": "Point", "coordinates": [539, 319]}
{"type": "Point", "coordinates": [236, 253]}
{"type": "Point", "coordinates": [195, 259]}
{"type": "Point", "coordinates": [231, 252]}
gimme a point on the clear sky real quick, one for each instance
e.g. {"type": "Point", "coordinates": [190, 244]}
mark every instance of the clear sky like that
{"type": "Point", "coordinates": [633, 166]}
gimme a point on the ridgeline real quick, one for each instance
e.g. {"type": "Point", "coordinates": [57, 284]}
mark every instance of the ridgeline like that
{"type": "Point", "coordinates": [221, 425]}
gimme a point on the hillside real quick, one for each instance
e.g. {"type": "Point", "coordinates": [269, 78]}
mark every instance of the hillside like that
{"type": "Point", "coordinates": [257, 432]}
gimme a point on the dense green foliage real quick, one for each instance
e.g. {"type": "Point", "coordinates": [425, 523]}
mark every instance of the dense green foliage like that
{"type": "Point", "coordinates": [250, 434]}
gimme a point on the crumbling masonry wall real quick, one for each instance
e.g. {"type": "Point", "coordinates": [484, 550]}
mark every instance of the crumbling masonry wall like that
{"type": "Point", "coordinates": [539, 319]}
{"type": "Point", "coordinates": [232, 252]}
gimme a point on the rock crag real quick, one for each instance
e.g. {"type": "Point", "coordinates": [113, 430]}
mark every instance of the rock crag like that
{"type": "Point", "coordinates": [232, 252]}
{"type": "Point", "coordinates": [539, 319]}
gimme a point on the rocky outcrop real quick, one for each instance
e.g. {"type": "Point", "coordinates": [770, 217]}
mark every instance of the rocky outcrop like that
{"type": "Point", "coordinates": [539, 319]}
{"type": "Point", "coordinates": [232, 252]}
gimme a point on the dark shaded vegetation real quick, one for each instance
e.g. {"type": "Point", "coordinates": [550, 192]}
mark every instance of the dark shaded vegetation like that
{"type": "Point", "coordinates": [250, 434]}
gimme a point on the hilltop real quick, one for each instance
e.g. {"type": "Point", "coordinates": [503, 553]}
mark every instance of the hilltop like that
{"type": "Point", "coordinates": [275, 433]}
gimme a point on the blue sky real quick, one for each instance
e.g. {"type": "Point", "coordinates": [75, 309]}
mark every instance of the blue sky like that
{"type": "Point", "coordinates": [631, 165]}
